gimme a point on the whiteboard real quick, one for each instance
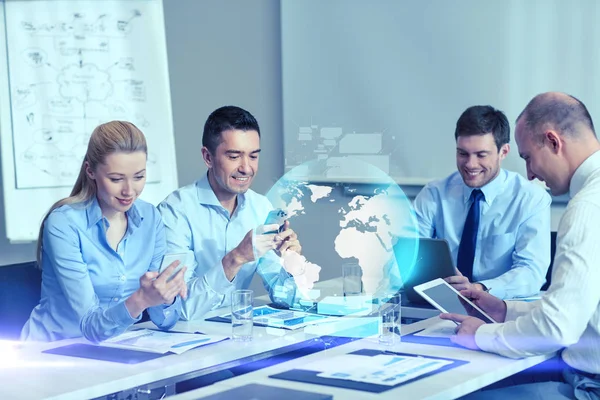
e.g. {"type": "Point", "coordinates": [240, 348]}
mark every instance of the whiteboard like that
{"type": "Point", "coordinates": [385, 80]}
{"type": "Point", "coordinates": [68, 66]}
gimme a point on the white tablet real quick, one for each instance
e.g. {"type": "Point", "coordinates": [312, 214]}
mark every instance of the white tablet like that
{"type": "Point", "coordinates": [445, 298]}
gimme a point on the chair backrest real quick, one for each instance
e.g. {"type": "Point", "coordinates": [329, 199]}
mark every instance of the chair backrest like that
{"type": "Point", "coordinates": [20, 292]}
{"type": "Point", "coordinates": [552, 252]}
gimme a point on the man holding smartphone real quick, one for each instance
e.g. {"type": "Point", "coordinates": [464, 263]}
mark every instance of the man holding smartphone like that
{"type": "Point", "coordinates": [221, 220]}
{"type": "Point", "coordinates": [556, 138]}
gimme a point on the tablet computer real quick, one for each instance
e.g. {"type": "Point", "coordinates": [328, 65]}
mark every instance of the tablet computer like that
{"type": "Point", "coordinates": [445, 298]}
{"type": "Point", "coordinates": [432, 260]}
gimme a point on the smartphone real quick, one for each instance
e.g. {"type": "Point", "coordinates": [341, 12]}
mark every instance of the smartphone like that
{"type": "Point", "coordinates": [276, 216]}
{"type": "Point", "coordinates": [445, 298]}
{"type": "Point", "coordinates": [168, 259]}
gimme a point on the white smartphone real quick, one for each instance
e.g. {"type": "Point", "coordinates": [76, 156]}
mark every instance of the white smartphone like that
{"type": "Point", "coordinates": [276, 216]}
{"type": "Point", "coordinates": [445, 298]}
{"type": "Point", "coordinates": [168, 259]}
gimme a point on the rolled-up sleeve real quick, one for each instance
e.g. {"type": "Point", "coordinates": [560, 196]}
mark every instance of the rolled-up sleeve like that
{"type": "Point", "coordinates": [204, 292]}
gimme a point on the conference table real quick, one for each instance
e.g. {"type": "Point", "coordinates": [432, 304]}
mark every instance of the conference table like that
{"type": "Point", "coordinates": [27, 373]}
{"type": "Point", "coordinates": [481, 370]}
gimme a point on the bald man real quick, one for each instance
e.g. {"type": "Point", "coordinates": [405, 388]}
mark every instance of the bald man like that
{"type": "Point", "coordinates": [556, 138]}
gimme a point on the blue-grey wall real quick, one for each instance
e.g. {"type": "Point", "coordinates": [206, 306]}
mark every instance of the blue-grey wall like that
{"type": "Point", "coordinates": [221, 52]}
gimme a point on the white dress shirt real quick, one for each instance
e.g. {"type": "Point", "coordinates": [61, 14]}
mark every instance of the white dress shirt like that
{"type": "Point", "coordinates": [568, 315]}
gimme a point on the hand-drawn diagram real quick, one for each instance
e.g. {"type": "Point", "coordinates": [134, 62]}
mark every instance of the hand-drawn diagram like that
{"type": "Point", "coordinates": [72, 70]}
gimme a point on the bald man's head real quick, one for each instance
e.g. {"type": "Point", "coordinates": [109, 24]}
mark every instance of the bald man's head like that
{"type": "Point", "coordinates": [558, 111]}
{"type": "Point", "coordinates": [554, 135]}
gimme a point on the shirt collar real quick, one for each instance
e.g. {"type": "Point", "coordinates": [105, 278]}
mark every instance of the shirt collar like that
{"type": "Point", "coordinates": [207, 196]}
{"type": "Point", "coordinates": [490, 190]}
{"type": "Point", "coordinates": [94, 213]}
{"type": "Point", "coordinates": [582, 172]}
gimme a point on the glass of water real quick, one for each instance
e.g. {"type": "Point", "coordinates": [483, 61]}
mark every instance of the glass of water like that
{"type": "Point", "coordinates": [389, 323]}
{"type": "Point", "coordinates": [242, 314]}
{"type": "Point", "coordinates": [351, 279]}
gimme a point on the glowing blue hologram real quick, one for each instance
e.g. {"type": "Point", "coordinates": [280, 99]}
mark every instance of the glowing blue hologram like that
{"type": "Point", "coordinates": [359, 221]}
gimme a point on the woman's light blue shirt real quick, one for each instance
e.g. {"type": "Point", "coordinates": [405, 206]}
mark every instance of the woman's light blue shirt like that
{"type": "Point", "coordinates": [85, 282]}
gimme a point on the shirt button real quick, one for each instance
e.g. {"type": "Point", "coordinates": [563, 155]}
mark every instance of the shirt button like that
{"type": "Point", "coordinates": [122, 278]}
{"type": "Point", "coordinates": [167, 312]}
{"type": "Point", "coordinates": [116, 299]}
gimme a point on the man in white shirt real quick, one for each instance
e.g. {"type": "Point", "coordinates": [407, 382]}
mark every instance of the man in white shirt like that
{"type": "Point", "coordinates": [555, 136]}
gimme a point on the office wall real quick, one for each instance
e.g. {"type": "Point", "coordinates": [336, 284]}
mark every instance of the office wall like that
{"type": "Point", "coordinates": [220, 52]}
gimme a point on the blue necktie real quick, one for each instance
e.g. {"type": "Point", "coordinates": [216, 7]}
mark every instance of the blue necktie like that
{"type": "Point", "coordinates": [468, 240]}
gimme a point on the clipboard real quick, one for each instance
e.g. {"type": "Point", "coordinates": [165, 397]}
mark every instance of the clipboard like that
{"type": "Point", "coordinates": [306, 376]}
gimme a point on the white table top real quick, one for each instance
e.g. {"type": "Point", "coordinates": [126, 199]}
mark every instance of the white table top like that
{"type": "Point", "coordinates": [482, 370]}
{"type": "Point", "coordinates": [26, 373]}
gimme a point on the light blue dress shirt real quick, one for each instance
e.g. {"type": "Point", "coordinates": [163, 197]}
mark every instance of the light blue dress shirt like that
{"type": "Point", "coordinates": [513, 242]}
{"type": "Point", "coordinates": [85, 282]}
{"type": "Point", "coordinates": [197, 223]}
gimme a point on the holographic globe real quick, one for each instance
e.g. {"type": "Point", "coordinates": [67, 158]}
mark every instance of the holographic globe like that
{"type": "Point", "coordinates": [352, 211]}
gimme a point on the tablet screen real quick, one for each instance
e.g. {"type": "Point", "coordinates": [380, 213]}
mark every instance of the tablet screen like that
{"type": "Point", "coordinates": [449, 300]}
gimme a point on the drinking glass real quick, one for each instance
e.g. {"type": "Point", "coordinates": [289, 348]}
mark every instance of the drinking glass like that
{"type": "Point", "coordinates": [242, 314]}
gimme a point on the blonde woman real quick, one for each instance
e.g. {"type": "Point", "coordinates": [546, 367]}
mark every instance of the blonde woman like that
{"type": "Point", "coordinates": [100, 248]}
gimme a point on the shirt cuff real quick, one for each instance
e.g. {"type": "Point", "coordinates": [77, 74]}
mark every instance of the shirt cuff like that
{"type": "Point", "coordinates": [217, 281]}
{"type": "Point", "coordinates": [516, 308]}
{"type": "Point", "coordinates": [167, 310]}
{"type": "Point", "coordinates": [485, 336]}
{"type": "Point", "coordinates": [165, 316]}
{"type": "Point", "coordinates": [494, 288]}
{"type": "Point", "coordinates": [120, 315]}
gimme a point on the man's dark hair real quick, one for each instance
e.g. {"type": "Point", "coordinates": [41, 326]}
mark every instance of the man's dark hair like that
{"type": "Point", "coordinates": [481, 120]}
{"type": "Point", "coordinates": [562, 114]}
{"type": "Point", "coordinates": [224, 119]}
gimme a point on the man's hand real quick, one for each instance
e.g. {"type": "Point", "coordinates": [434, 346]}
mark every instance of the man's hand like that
{"type": "Point", "coordinates": [254, 245]}
{"type": "Point", "coordinates": [465, 332]}
{"type": "Point", "coordinates": [461, 282]}
{"type": "Point", "coordinates": [289, 240]}
{"type": "Point", "coordinates": [491, 305]}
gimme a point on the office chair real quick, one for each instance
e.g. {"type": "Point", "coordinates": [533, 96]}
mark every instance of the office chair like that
{"type": "Point", "coordinates": [20, 291]}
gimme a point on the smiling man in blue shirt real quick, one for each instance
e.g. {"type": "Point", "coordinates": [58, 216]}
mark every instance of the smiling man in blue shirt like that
{"type": "Point", "coordinates": [501, 244]}
{"type": "Point", "coordinates": [219, 220]}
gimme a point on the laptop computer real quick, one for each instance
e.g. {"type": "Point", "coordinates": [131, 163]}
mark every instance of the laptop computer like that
{"type": "Point", "coordinates": [432, 259]}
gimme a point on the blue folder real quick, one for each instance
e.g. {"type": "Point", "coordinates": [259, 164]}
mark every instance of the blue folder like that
{"type": "Point", "coordinates": [254, 391]}
{"type": "Point", "coordinates": [306, 376]}
{"type": "Point", "coordinates": [124, 356]}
